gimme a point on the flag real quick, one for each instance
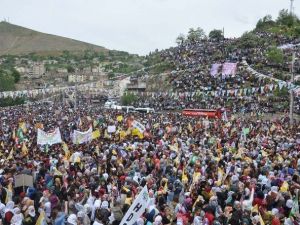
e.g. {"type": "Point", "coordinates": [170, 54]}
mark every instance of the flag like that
{"type": "Point", "coordinates": [261, 221]}
{"type": "Point", "coordinates": [122, 135]}
{"type": "Point", "coordinates": [11, 154]}
{"type": "Point", "coordinates": [95, 123]}
{"type": "Point", "coordinates": [41, 218]}
{"type": "Point", "coordinates": [20, 134]}
{"type": "Point", "coordinates": [22, 125]}
{"type": "Point", "coordinates": [137, 208]}
{"type": "Point", "coordinates": [196, 176]}
{"type": "Point", "coordinates": [82, 137]}
{"type": "Point", "coordinates": [96, 134]}
{"type": "Point", "coordinates": [120, 118]}
{"type": "Point", "coordinates": [184, 177]}
{"type": "Point", "coordinates": [136, 132]}
{"type": "Point", "coordinates": [66, 150]}
{"type": "Point", "coordinates": [139, 126]}
{"type": "Point", "coordinates": [50, 138]}
{"type": "Point", "coordinates": [24, 149]}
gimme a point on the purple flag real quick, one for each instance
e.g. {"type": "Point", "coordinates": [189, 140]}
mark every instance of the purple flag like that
{"type": "Point", "coordinates": [214, 69]}
{"type": "Point", "coordinates": [228, 69]}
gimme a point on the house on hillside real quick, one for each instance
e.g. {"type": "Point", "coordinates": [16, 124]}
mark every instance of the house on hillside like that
{"type": "Point", "coordinates": [136, 84]}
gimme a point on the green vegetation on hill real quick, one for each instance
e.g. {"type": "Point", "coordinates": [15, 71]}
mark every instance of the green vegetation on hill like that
{"type": "Point", "coordinates": [17, 40]}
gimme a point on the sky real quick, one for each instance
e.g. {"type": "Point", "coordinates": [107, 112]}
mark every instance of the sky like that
{"type": "Point", "coordinates": [138, 26]}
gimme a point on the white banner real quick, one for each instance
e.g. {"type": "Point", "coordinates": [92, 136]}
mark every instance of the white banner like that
{"type": "Point", "coordinates": [139, 126]}
{"type": "Point", "coordinates": [82, 137]}
{"type": "Point", "coordinates": [44, 138]}
{"type": "Point", "coordinates": [137, 208]}
{"type": "Point", "coordinates": [111, 129]}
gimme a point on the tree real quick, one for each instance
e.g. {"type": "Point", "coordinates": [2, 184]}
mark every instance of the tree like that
{"type": "Point", "coordinates": [265, 22]}
{"type": "Point", "coordinates": [180, 39]}
{"type": "Point", "coordinates": [128, 99]}
{"type": "Point", "coordinates": [16, 75]}
{"type": "Point", "coordinates": [70, 69]}
{"type": "Point", "coordinates": [216, 34]}
{"type": "Point", "coordinates": [249, 40]}
{"type": "Point", "coordinates": [275, 55]}
{"type": "Point", "coordinates": [287, 19]}
{"type": "Point", "coordinates": [7, 81]}
{"type": "Point", "coordinates": [196, 35]}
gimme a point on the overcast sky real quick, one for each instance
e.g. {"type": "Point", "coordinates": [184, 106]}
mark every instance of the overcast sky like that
{"type": "Point", "coordinates": [138, 26]}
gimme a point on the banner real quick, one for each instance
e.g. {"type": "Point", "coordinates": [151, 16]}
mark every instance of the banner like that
{"type": "Point", "coordinates": [111, 129]}
{"type": "Point", "coordinates": [137, 208]}
{"type": "Point", "coordinates": [44, 138]}
{"type": "Point", "coordinates": [139, 126]}
{"type": "Point", "coordinates": [82, 137]}
{"type": "Point", "coordinates": [214, 69]}
{"type": "Point", "coordinates": [228, 69]}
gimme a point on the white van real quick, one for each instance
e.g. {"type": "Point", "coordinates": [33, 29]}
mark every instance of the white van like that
{"type": "Point", "coordinates": [145, 110]}
{"type": "Point", "coordinates": [109, 103]}
{"type": "Point", "coordinates": [128, 109]}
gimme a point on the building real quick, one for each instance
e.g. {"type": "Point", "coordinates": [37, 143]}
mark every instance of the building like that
{"type": "Point", "coordinates": [37, 70]}
{"type": "Point", "coordinates": [72, 78]}
{"type": "Point", "coordinates": [62, 70]}
{"type": "Point", "coordinates": [136, 84]}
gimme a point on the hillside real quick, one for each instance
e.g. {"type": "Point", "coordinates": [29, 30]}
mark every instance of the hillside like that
{"type": "Point", "coordinates": [16, 40]}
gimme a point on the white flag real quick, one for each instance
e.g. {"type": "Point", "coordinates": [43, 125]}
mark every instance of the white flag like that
{"type": "Point", "coordinates": [137, 208]}
{"type": "Point", "coordinates": [139, 126]}
{"type": "Point", "coordinates": [44, 138]}
{"type": "Point", "coordinates": [82, 137]}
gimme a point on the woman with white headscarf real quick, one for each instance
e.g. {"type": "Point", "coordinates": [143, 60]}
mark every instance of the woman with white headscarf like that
{"type": "Point", "coordinates": [17, 218]}
{"type": "Point", "coordinates": [8, 212]}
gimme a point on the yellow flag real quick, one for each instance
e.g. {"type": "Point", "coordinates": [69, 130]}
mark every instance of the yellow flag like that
{"type": "Point", "coordinates": [136, 132]}
{"type": "Point", "coordinates": [96, 134]}
{"type": "Point", "coordinates": [184, 177]}
{"type": "Point", "coordinates": [196, 176]}
{"type": "Point", "coordinates": [11, 154]}
{"type": "Point", "coordinates": [122, 135]}
{"type": "Point", "coordinates": [22, 125]}
{"type": "Point", "coordinates": [66, 150]}
{"type": "Point", "coordinates": [261, 221]}
{"type": "Point", "coordinates": [95, 123]}
{"type": "Point", "coordinates": [24, 149]}
{"type": "Point", "coordinates": [120, 118]}
{"type": "Point", "coordinates": [254, 209]}
{"type": "Point", "coordinates": [40, 218]}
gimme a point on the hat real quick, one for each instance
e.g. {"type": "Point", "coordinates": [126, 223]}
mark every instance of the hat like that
{"type": "Point", "coordinates": [72, 219]}
{"type": "Point", "coordinates": [275, 211]}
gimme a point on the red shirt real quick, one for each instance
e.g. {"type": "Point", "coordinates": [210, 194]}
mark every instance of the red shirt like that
{"type": "Point", "coordinates": [210, 217]}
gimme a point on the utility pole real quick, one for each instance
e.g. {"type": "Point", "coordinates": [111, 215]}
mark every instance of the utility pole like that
{"type": "Point", "coordinates": [292, 8]}
{"type": "Point", "coordinates": [291, 92]}
{"type": "Point", "coordinates": [75, 106]}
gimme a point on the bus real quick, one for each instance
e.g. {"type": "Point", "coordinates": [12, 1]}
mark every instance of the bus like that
{"type": "Point", "coordinates": [209, 113]}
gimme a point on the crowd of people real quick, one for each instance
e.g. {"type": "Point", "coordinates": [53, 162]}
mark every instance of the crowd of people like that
{"type": "Point", "coordinates": [194, 60]}
{"type": "Point", "coordinates": [198, 171]}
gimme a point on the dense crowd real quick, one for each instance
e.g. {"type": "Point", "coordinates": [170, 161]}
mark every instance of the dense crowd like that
{"type": "Point", "coordinates": [194, 60]}
{"type": "Point", "coordinates": [198, 171]}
